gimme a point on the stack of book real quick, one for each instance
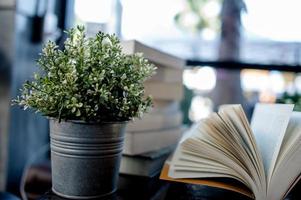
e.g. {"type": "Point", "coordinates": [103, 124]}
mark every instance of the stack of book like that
{"type": "Point", "coordinates": [150, 140]}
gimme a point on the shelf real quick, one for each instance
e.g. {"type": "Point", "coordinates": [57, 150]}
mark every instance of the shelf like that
{"type": "Point", "coordinates": [234, 65]}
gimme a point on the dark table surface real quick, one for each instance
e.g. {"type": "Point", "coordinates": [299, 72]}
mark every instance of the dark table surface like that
{"type": "Point", "coordinates": [143, 188]}
{"type": "Point", "coordinates": [171, 191]}
{"type": "Point", "coordinates": [176, 191]}
{"type": "Point", "coordinates": [134, 187]}
{"type": "Point", "coordinates": [140, 188]}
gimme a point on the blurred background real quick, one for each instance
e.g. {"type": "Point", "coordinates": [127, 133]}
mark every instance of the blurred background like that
{"type": "Point", "coordinates": [236, 52]}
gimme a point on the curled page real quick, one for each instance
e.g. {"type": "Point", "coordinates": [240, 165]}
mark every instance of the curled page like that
{"type": "Point", "coordinates": [269, 123]}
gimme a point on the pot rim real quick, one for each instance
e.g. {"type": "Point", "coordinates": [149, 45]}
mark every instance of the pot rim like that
{"type": "Point", "coordinates": [85, 122]}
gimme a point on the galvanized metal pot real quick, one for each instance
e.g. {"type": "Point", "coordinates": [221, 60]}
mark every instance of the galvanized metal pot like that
{"type": "Point", "coordinates": [85, 158]}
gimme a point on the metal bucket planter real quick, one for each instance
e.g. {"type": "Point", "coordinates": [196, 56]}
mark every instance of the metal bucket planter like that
{"type": "Point", "coordinates": [85, 158]}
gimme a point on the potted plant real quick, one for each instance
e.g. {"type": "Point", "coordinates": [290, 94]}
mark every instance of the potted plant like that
{"type": "Point", "coordinates": [89, 91]}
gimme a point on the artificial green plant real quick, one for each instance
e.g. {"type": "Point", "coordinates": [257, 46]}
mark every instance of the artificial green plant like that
{"type": "Point", "coordinates": [90, 80]}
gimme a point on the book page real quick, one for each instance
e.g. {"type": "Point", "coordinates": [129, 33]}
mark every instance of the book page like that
{"type": "Point", "coordinates": [214, 148]}
{"type": "Point", "coordinates": [287, 168]}
{"type": "Point", "coordinates": [268, 124]}
{"type": "Point", "coordinates": [209, 182]}
{"type": "Point", "coordinates": [235, 113]}
{"type": "Point", "coordinates": [234, 116]}
{"type": "Point", "coordinates": [291, 137]}
{"type": "Point", "coordinates": [183, 158]}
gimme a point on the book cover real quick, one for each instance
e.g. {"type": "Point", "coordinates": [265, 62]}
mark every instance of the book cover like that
{"type": "Point", "coordinates": [147, 164]}
{"type": "Point", "coordinates": [152, 54]}
{"type": "Point", "coordinates": [156, 122]}
{"type": "Point", "coordinates": [208, 182]}
{"type": "Point", "coordinates": [142, 142]}
{"type": "Point", "coordinates": [165, 107]}
{"type": "Point", "coordinates": [167, 75]}
{"type": "Point", "coordinates": [164, 91]}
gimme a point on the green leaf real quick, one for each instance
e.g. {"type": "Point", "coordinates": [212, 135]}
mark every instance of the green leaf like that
{"type": "Point", "coordinates": [90, 80]}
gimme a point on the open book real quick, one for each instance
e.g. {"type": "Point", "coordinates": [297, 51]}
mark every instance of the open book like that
{"type": "Point", "coordinates": [261, 160]}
